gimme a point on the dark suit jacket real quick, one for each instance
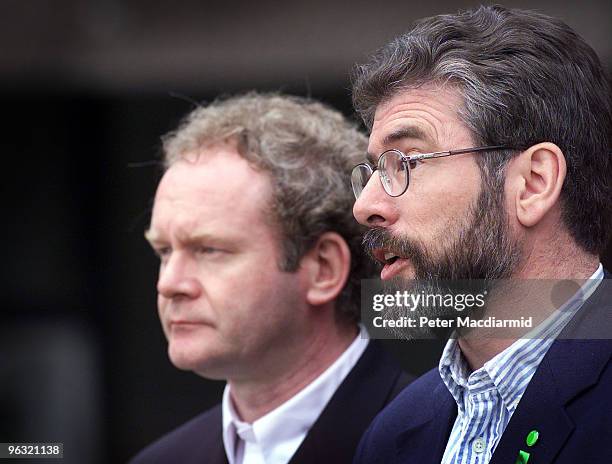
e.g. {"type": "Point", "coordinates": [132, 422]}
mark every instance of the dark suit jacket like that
{"type": "Point", "coordinates": [374, 381]}
{"type": "Point", "coordinates": [569, 401]}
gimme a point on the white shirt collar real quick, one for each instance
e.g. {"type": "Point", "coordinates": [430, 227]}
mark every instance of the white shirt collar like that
{"type": "Point", "coordinates": [276, 436]}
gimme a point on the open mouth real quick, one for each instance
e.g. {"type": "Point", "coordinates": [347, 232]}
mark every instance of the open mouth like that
{"type": "Point", "coordinates": [393, 264]}
{"type": "Point", "coordinates": [390, 258]}
{"type": "Point", "coordinates": [384, 256]}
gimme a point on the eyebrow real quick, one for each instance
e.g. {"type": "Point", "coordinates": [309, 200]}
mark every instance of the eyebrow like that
{"type": "Point", "coordinates": [405, 132]}
{"type": "Point", "coordinates": [408, 132]}
{"type": "Point", "coordinates": [153, 237]}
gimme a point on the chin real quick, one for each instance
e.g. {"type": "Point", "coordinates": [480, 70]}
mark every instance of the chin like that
{"type": "Point", "coordinates": [409, 273]}
{"type": "Point", "coordinates": [182, 361]}
{"type": "Point", "coordinates": [406, 274]}
{"type": "Point", "coordinates": [185, 356]}
{"type": "Point", "coordinates": [201, 361]}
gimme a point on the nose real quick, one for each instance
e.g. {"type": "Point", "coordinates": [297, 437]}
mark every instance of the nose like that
{"type": "Point", "coordinates": [177, 279]}
{"type": "Point", "coordinates": [374, 208]}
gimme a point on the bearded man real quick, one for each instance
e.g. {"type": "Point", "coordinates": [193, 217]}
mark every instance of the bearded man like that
{"type": "Point", "coordinates": [489, 158]}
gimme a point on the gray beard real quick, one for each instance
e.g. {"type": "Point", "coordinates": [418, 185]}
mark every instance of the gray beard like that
{"type": "Point", "coordinates": [482, 250]}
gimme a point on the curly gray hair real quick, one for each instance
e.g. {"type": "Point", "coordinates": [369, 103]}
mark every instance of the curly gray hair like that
{"type": "Point", "coordinates": [308, 151]}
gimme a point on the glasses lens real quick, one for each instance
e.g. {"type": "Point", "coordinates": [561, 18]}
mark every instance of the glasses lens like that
{"type": "Point", "coordinates": [359, 178]}
{"type": "Point", "coordinates": [393, 173]}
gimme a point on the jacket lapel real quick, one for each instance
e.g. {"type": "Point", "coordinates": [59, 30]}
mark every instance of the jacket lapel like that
{"type": "Point", "coordinates": [210, 448]}
{"type": "Point", "coordinates": [541, 409]}
{"type": "Point", "coordinates": [217, 455]}
{"type": "Point", "coordinates": [371, 384]}
{"type": "Point", "coordinates": [573, 363]}
{"type": "Point", "coordinates": [425, 439]}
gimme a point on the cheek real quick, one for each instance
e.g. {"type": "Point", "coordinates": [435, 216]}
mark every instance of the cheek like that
{"type": "Point", "coordinates": [436, 203]}
{"type": "Point", "coordinates": [162, 304]}
{"type": "Point", "coordinates": [265, 301]}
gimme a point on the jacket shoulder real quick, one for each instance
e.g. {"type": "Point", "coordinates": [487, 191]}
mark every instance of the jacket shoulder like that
{"type": "Point", "coordinates": [415, 398]}
{"type": "Point", "coordinates": [183, 443]}
{"type": "Point", "coordinates": [412, 404]}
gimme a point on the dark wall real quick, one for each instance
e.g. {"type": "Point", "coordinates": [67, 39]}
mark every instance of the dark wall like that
{"type": "Point", "coordinates": [80, 177]}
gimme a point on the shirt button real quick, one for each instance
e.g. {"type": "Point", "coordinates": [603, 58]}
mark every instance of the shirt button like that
{"type": "Point", "coordinates": [479, 445]}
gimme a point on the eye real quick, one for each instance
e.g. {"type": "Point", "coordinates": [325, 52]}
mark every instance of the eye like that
{"type": "Point", "coordinates": [206, 250]}
{"type": "Point", "coordinates": [414, 163]}
{"type": "Point", "coordinates": [162, 252]}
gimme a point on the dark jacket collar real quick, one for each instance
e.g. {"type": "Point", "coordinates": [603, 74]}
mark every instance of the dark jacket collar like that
{"type": "Point", "coordinates": [373, 382]}
{"type": "Point", "coordinates": [432, 427]}
{"type": "Point", "coordinates": [573, 363]}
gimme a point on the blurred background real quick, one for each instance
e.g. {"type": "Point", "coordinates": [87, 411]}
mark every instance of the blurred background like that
{"type": "Point", "coordinates": [86, 89]}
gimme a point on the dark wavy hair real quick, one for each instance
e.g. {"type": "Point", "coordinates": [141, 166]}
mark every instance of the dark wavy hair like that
{"type": "Point", "coordinates": [524, 78]}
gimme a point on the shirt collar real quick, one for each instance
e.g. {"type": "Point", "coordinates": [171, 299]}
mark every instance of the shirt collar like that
{"type": "Point", "coordinates": [524, 355]}
{"type": "Point", "coordinates": [294, 417]}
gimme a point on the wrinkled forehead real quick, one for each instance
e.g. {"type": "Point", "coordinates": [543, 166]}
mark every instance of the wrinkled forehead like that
{"type": "Point", "coordinates": [427, 114]}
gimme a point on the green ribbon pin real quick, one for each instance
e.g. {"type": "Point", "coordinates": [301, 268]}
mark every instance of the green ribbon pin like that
{"type": "Point", "coordinates": [522, 458]}
{"type": "Point", "coordinates": [532, 439]}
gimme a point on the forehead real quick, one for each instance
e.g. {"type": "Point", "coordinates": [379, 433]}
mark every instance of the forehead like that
{"type": "Point", "coordinates": [214, 192]}
{"type": "Point", "coordinates": [427, 114]}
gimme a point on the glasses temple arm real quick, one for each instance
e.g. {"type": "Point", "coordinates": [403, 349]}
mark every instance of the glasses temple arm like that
{"type": "Point", "coordinates": [442, 154]}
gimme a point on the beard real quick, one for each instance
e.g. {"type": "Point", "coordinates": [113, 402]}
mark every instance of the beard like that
{"type": "Point", "coordinates": [471, 256]}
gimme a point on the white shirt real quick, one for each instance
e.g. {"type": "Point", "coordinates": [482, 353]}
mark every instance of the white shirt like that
{"type": "Point", "coordinates": [275, 437]}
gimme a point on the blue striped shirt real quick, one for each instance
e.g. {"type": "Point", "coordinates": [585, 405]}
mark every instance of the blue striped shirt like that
{"type": "Point", "coordinates": [487, 397]}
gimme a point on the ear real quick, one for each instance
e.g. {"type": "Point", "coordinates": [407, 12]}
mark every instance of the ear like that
{"type": "Point", "coordinates": [536, 178]}
{"type": "Point", "coordinates": [327, 267]}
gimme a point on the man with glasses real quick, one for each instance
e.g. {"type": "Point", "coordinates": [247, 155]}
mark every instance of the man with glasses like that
{"type": "Point", "coordinates": [260, 266]}
{"type": "Point", "coordinates": [489, 158]}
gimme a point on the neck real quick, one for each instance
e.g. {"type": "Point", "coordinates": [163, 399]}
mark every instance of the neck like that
{"type": "Point", "coordinates": [255, 397]}
{"type": "Point", "coordinates": [552, 263]}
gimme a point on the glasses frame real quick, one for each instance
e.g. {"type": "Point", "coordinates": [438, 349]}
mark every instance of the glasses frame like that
{"type": "Point", "coordinates": [407, 159]}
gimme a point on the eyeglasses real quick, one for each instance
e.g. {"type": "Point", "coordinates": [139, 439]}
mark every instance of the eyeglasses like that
{"type": "Point", "coordinates": [394, 168]}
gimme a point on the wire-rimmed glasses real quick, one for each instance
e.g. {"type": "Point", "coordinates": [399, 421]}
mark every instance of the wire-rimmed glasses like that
{"type": "Point", "coordinates": [394, 168]}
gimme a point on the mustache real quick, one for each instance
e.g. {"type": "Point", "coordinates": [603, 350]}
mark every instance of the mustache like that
{"type": "Point", "coordinates": [374, 238]}
{"type": "Point", "coordinates": [379, 237]}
